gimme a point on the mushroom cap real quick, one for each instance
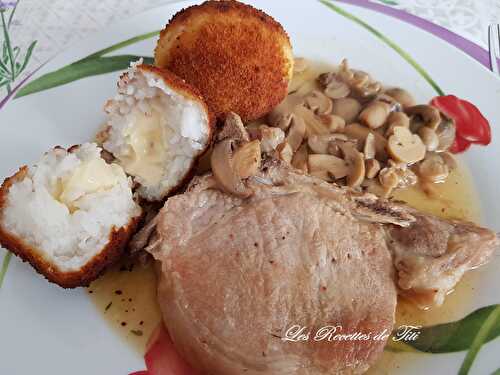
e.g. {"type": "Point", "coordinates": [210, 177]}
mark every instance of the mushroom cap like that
{"type": "Point", "coordinates": [402, 96]}
{"type": "Point", "coordinates": [239, 57]}
{"type": "Point", "coordinates": [429, 114]}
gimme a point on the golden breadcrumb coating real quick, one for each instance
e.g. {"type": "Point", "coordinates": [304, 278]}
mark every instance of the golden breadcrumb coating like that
{"type": "Point", "coordinates": [237, 56]}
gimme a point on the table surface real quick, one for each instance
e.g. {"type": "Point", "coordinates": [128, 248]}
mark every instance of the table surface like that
{"type": "Point", "coordinates": [55, 24]}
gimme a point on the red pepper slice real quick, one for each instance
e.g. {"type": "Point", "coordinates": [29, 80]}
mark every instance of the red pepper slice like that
{"type": "Point", "coordinates": [472, 126]}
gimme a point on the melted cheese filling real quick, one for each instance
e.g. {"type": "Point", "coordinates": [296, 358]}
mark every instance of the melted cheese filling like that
{"type": "Point", "coordinates": [147, 150]}
{"type": "Point", "coordinates": [89, 177]}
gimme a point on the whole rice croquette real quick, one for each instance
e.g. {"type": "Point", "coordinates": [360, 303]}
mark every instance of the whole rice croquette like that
{"type": "Point", "coordinates": [239, 57]}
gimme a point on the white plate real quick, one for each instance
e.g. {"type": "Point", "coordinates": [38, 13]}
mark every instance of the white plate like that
{"type": "Point", "coordinates": [45, 329]}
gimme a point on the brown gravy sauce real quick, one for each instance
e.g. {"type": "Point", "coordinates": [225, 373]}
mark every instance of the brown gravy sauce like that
{"type": "Point", "coordinates": [126, 294]}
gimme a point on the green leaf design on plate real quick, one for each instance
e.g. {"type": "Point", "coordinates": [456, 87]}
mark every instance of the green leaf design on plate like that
{"type": "Point", "coordinates": [460, 335]}
{"type": "Point", "coordinates": [5, 266]}
{"type": "Point", "coordinates": [389, 2]}
{"type": "Point", "coordinates": [497, 372]}
{"type": "Point", "coordinates": [91, 65]}
{"type": "Point", "coordinates": [387, 41]}
{"type": "Point", "coordinates": [79, 70]}
{"type": "Point", "coordinates": [120, 45]}
{"type": "Point", "coordinates": [490, 326]}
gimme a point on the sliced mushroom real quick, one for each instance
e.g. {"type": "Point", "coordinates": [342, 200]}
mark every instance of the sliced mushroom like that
{"type": "Point", "coordinates": [337, 89]}
{"type": "Point", "coordinates": [360, 78]}
{"type": "Point", "coordinates": [233, 129]}
{"type": "Point", "coordinates": [449, 160]}
{"type": "Point", "coordinates": [372, 167]}
{"type": "Point", "coordinates": [318, 102]}
{"type": "Point", "coordinates": [325, 78]}
{"type": "Point", "coordinates": [361, 83]}
{"type": "Point", "coordinates": [284, 152]}
{"type": "Point", "coordinates": [369, 147]}
{"type": "Point", "coordinates": [333, 123]}
{"type": "Point", "coordinates": [344, 72]}
{"type": "Point", "coordinates": [446, 133]}
{"type": "Point", "coordinates": [253, 130]}
{"type": "Point", "coordinates": [270, 138]}
{"type": "Point", "coordinates": [433, 169]}
{"type": "Point", "coordinates": [397, 164]}
{"type": "Point", "coordinates": [407, 178]}
{"type": "Point", "coordinates": [319, 144]}
{"type": "Point", "coordinates": [314, 124]}
{"type": "Point", "coordinates": [247, 159]}
{"type": "Point", "coordinates": [334, 148]}
{"type": "Point", "coordinates": [429, 138]}
{"type": "Point", "coordinates": [389, 179]}
{"type": "Point", "coordinates": [356, 163]}
{"type": "Point", "coordinates": [296, 133]}
{"type": "Point", "coordinates": [300, 65]}
{"type": "Point", "coordinates": [224, 170]}
{"type": "Point", "coordinates": [405, 147]}
{"type": "Point", "coordinates": [359, 132]}
{"type": "Point", "coordinates": [396, 119]}
{"type": "Point", "coordinates": [428, 114]}
{"type": "Point", "coordinates": [329, 163]}
{"type": "Point", "coordinates": [281, 115]}
{"type": "Point", "coordinates": [375, 114]}
{"type": "Point", "coordinates": [402, 96]}
{"type": "Point", "coordinates": [389, 100]}
{"type": "Point", "coordinates": [367, 92]}
{"type": "Point", "coordinates": [347, 108]}
{"type": "Point", "coordinates": [300, 158]}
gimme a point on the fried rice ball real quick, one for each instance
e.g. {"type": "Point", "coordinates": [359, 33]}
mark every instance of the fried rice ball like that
{"type": "Point", "coordinates": [239, 57]}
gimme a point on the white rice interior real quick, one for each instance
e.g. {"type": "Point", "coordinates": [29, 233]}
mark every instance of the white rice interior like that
{"type": "Point", "coordinates": [68, 238]}
{"type": "Point", "coordinates": [184, 128]}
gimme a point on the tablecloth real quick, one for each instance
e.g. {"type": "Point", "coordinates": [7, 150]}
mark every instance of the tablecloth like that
{"type": "Point", "coordinates": [56, 24]}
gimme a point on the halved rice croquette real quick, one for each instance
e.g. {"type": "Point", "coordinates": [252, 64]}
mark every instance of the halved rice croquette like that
{"type": "Point", "coordinates": [158, 126]}
{"type": "Point", "coordinates": [70, 215]}
{"type": "Point", "coordinates": [239, 57]}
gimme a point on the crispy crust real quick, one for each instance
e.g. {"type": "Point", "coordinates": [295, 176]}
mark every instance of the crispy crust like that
{"type": "Point", "coordinates": [118, 240]}
{"type": "Point", "coordinates": [239, 57]}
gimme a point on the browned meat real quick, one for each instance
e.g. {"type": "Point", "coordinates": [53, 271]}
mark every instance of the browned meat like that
{"type": "Point", "coordinates": [432, 255]}
{"type": "Point", "coordinates": [237, 274]}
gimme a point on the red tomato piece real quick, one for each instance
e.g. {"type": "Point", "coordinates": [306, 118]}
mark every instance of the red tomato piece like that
{"type": "Point", "coordinates": [460, 145]}
{"type": "Point", "coordinates": [472, 126]}
{"type": "Point", "coordinates": [162, 358]}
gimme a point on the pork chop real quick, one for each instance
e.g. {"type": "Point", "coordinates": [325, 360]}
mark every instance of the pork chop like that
{"type": "Point", "coordinates": [239, 276]}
